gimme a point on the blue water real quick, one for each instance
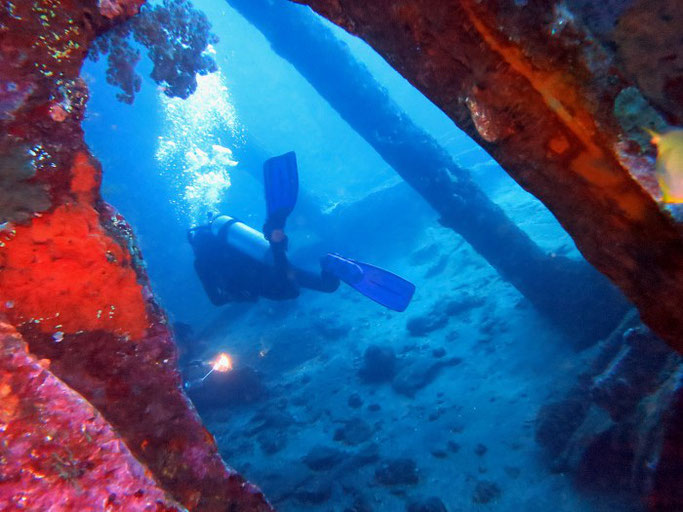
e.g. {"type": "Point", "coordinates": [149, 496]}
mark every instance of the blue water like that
{"type": "Point", "coordinates": [169, 161]}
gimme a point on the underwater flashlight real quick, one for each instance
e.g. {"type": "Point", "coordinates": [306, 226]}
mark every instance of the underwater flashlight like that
{"type": "Point", "coordinates": [222, 363]}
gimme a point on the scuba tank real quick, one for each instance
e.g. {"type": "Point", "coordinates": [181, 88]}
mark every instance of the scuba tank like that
{"type": "Point", "coordinates": [242, 238]}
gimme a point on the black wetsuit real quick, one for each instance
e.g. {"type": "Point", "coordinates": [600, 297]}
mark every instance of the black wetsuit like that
{"type": "Point", "coordinates": [231, 276]}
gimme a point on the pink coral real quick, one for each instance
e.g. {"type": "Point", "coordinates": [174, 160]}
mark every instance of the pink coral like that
{"type": "Point", "coordinates": [58, 452]}
{"type": "Point", "coordinates": [114, 8]}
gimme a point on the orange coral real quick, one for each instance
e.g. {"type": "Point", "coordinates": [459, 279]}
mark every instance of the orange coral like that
{"type": "Point", "coordinates": [559, 93]}
{"type": "Point", "coordinates": [84, 177]}
{"type": "Point", "coordinates": [64, 273]}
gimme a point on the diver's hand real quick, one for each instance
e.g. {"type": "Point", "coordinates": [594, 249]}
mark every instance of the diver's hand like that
{"type": "Point", "coordinates": [277, 238]}
{"type": "Point", "coordinates": [275, 220]}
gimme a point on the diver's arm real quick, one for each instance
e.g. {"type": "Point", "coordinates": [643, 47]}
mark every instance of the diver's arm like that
{"type": "Point", "coordinates": [278, 246]}
{"type": "Point", "coordinates": [280, 284]}
{"type": "Point", "coordinates": [323, 282]}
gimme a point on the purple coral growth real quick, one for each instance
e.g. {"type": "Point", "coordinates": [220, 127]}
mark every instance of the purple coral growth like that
{"type": "Point", "coordinates": [12, 97]}
{"type": "Point", "coordinates": [176, 36]}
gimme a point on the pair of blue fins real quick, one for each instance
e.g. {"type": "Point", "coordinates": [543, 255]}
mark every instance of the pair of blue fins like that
{"type": "Point", "coordinates": [281, 182]}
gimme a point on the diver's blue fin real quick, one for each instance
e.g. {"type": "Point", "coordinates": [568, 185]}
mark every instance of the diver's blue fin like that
{"type": "Point", "coordinates": [380, 285]}
{"type": "Point", "coordinates": [281, 183]}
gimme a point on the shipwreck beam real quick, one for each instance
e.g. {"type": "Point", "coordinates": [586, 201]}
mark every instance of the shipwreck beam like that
{"type": "Point", "coordinates": [539, 95]}
{"type": "Point", "coordinates": [587, 306]}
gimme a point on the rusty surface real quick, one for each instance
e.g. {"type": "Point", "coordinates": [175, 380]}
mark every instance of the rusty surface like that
{"type": "Point", "coordinates": [649, 48]}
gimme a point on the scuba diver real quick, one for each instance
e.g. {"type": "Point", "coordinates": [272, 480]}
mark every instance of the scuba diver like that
{"type": "Point", "coordinates": [237, 263]}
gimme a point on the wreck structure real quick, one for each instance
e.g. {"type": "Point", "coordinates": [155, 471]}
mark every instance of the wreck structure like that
{"type": "Point", "coordinates": [555, 101]}
{"type": "Point", "coordinates": [89, 384]}
{"type": "Point", "coordinates": [558, 93]}
{"type": "Point", "coordinates": [351, 90]}
{"type": "Point", "coordinates": [543, 97]}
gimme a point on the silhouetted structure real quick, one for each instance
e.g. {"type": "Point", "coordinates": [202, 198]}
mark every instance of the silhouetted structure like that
{"type": "Point", "coordinates": [572, 294]}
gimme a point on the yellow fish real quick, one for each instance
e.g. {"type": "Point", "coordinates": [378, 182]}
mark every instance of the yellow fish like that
{"type": "Point", "coordinates": [669, 163]}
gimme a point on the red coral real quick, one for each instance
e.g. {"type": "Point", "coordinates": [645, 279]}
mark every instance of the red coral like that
{"type": "Point", "coordinates": [84, 177]}
{"type": "Point", "coordinates": [64, 273]}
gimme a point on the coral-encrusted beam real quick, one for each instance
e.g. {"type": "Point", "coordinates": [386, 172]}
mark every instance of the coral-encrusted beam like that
{"type": "Point", "coordinates": [539, 95]}
{"type": "Point", "coordinates": [73, 284]}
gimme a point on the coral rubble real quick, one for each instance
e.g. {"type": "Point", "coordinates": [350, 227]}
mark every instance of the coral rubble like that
{"type": "Point", "coordinates": [73, 285]}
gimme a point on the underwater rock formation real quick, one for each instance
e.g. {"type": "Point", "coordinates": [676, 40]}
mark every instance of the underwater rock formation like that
{"type": "Point", "coordinates": [352, 91]}
{"type": "Point", "coordinates": [619, 428]}
{"type": "Point", "coordinates": [73, 285]}
{"type": "Point", "coordinates": [650, 51]}
{"type": "Point", "coordinates": [431, 504]}
{"type": "Point", "coordinates": [415, 375]}
{"type": "Point", "coordinates": [441, 313]}
{"type": "Point", "coordinates": [538, 92]}
{"type": "Point", "coordinates": [354, 432]}
{"type": "Point", "coordinates": [637, 370]}
{"type": "Point", "coordinates": [379, 364]}
{"type": "Point", "coordinates": [666, 492]}
{"type": "Point", "coordinates": [19, 199]}
{"type": "Point", "coordinates": [323, 458]}
{"type": "Point", "coordinates": [486, 492]}
{"type": "Point", "coordinates": [401, 471]}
